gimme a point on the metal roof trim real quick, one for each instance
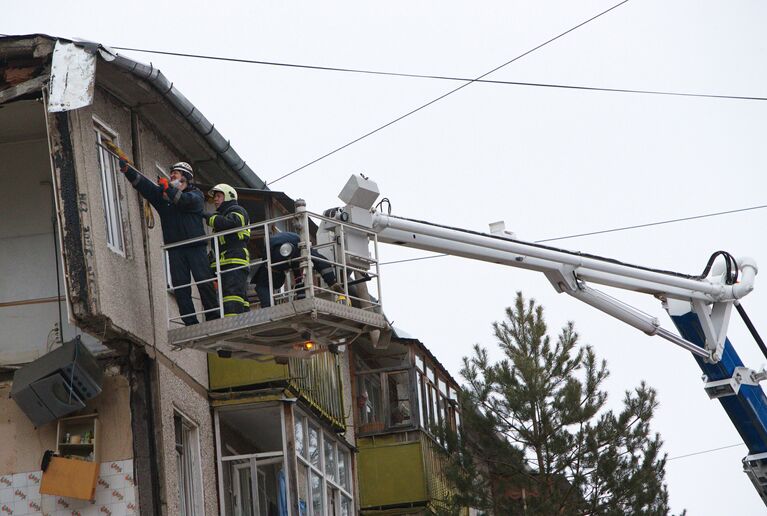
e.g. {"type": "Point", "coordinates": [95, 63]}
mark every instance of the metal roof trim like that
{"type": "Point", "coordinates": [192, 115]}
{"type": "Point", "coordinates": [175, 98]}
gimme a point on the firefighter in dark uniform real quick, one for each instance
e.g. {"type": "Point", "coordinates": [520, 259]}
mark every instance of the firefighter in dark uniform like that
{"type": "Point", "coordinates": [285, 253]}
{"type": "Point", "coordinates": [233, 254]}
{"type": "Point", "coordinates": [180, 204]}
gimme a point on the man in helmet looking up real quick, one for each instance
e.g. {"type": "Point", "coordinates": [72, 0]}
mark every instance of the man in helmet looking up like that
{"type": "Point", "coordinates": [233, 254]}
{"type": "Point", "coordinates": [180, 204]}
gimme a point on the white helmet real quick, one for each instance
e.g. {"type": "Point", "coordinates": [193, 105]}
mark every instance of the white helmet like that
{"type": "Point", "coordinates": [185, 169]}
{"type": "Point", "coordinates": [230, 194]}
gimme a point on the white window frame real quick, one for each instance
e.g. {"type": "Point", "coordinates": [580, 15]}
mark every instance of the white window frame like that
{"type": "Point", "coordinates": [189, 467]}
{"type": "Point", "coordinates": [325, 483]}
{"type": "Point", "coordinates": [254, 461]}
{"type": "Point", "coordinates": [110, 189]}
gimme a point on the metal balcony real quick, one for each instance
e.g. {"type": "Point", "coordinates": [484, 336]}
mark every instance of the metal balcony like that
{"type": "Point", "coordinates": [305, 317]}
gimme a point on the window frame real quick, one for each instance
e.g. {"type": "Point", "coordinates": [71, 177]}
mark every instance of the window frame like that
{"type": "Point", "coordinates": [188, 466]}
{"type": "Point", "coordinates": [254, 460]}
{"type": "Point", "coordinates": [111, 190]}
{"type": "Point", "coordinates": [437, 397]}
{"type": "Point", "coordinates": [383, 413]}
{"type": "Point", "coordinates": [327, 485]}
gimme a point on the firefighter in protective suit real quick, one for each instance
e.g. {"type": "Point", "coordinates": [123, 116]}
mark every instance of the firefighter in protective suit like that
{"type": "Point", "coordinates": [233, 256]}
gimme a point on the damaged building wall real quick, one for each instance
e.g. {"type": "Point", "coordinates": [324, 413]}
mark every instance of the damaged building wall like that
{"type": "Point", "coordinates": [20, 473]}
{"type": "Point", "coordinates": [113, 409]}
{"type": "Point", "coordinates": [118, 281]}
{"type": "Point", "coordinates": [130, 288]}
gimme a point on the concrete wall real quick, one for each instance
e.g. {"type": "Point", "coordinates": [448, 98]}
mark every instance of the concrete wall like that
{"type": "Point", "coordinates": [129, 293]}
{"type": "Point", "coordinates": [175, 395]}
{"type": "Point", "coordinates": [120, 281]}
{"type": "Point", "coordinates": [23, 445]}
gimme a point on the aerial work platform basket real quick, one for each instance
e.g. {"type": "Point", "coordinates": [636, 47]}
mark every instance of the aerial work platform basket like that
{"type": "Point", "coordinates": [293, 328]}
{"type": "Point", "coordinates": [304, 314]}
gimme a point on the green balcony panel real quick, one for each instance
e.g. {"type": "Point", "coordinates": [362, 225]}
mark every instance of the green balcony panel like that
{"type": "Point", "coordinates": [391, 473]}
{"type": "Point", "coordinates": [225, 373]}
{"type": "Point", "coordinates": [316, 380]}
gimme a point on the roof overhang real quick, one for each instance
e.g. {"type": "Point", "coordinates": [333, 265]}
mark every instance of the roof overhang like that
{"type": "Point", "coordinates": [148, 92]}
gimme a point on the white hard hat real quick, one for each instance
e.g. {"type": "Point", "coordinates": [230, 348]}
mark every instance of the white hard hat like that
{"type": "Point", "coordinates": [183, 167]}
{"type": "Point", "coordinates": [230, 194]}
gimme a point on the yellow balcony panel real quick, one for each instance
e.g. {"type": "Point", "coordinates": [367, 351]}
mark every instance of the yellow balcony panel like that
{"type": "Point", "coordinates": [391, 473]}
{"type": "Point", "coordinates": [316, 380]}
{"type": "Point", "coordinates": [225, 373]}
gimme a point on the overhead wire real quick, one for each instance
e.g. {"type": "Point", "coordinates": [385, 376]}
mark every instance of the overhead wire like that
{"type": "Point", "coordinates": [454, 90]}
{"type": "Point", "coordinates": [702, 452]}
{"type": "Point", "coordinates": [604, 231]}
{"type": "Point", "coordinates": [442, 77]}
{"type": "Point", "coordinates": [433, 76]}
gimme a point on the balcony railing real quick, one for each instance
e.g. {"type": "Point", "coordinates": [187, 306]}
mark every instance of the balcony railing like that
{"type": "Point", "coordinates": [305, 314]}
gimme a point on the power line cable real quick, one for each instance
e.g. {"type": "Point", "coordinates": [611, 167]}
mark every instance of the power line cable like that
{"type": "Point", "coordinates": [603, 231]}
{"type": "Point", "coordinates": [704, 451]}
{"type": "Point", "coordinates": [669, 221]}
{"type": "Point", "coordinates": [454, 90]}
{"type": "Point", "coordinates": [444, 77]}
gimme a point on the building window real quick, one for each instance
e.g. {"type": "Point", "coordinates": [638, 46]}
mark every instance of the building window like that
{"type": "Point", "coordinates": [110, 189]}
{"type": "Point", "coordinates": [369, 403]}
{"type": "Point", "coordinates": [437, 398]}
{"type": "Point", "coordinates": [252, 478]}
{"type": "Point", "coordinates": [188, 469]}
{"type": "Point", "coordinates": [399, 399]}
{"type": "Point", "coordinates": [324, 472]}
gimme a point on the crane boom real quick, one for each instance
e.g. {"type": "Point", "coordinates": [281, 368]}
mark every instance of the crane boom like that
{"type": "Point", "coordinates": [699, 307]}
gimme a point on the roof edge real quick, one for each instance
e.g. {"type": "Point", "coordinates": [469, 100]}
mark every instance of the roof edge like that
{"type": "Point", "coordinates": [153, 76]}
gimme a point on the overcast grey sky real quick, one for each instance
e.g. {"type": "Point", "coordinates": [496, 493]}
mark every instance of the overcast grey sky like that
{"type": "Point", "coordinates": [550, 162]}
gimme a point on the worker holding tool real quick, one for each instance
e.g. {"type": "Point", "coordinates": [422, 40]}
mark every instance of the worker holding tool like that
{"type": "Point", "coordinates": [179, 203]}
{"type": "Point", "coordinates": [233, 254]}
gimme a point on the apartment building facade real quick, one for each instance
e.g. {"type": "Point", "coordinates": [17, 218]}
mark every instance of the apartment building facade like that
{"type": "Point", "coordinates": [173, 430]}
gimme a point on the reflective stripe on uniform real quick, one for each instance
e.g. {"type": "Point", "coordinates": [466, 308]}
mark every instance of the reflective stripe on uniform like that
{"type": "Point", "coordinates": [245, 232]}
{"type": "Point", "coordinates": [223, 260]}
{"type": "Point", "coordinates": [236, 299]}
{"type": "Point", "coordinates": [231, 261]}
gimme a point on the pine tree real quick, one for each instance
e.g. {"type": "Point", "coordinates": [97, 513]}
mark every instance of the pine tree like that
{"type": "Point", "coordinates": [536, 425]}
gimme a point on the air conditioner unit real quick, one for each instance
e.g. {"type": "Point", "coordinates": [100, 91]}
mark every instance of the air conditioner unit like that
{"type": "Point", "coordinates": [57, 383]}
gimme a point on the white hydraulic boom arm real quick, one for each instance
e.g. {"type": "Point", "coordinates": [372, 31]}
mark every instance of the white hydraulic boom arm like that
{"type": "Point", "coordinates": [699, 306]}
{"type": "Point", "coordinates": [568, 272]}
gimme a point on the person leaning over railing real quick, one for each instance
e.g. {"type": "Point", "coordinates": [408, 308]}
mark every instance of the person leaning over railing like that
{"type": "Point", "coordinates": [233, 254]}
{"type": "Point", "coordinates": [284, 251]}
{"type": "Point", "coordinates": [179, 204]}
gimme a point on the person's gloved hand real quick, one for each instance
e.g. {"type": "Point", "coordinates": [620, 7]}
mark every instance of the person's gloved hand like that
{"type": "Point", "coordinates": [163, 181]}
{"type": "Point", "coordinates": [123, 165]}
